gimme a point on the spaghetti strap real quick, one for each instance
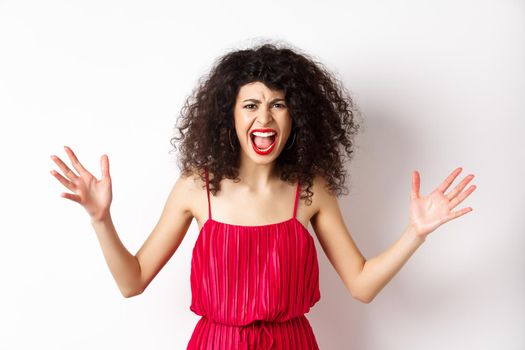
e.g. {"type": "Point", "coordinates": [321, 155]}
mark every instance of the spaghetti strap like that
{"type": "Point", "coordinates": [208, 193]}
{"type": "Point", "coordinates": [297, 191]}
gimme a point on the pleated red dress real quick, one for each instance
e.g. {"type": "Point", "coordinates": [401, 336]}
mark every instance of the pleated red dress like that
{"type": "Point", "coordinates": [253, 285]}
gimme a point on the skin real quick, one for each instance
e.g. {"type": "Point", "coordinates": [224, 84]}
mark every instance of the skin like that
{"type": "Point", "coordinates": [264, 199]}
{"type": "Point", "coordinates": [258, 107]}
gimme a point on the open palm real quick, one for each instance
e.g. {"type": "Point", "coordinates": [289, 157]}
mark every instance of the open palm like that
{"type": "Point", "coordinates": [429, 212]}
{"type": "Point", "coordinates": [93, 194]}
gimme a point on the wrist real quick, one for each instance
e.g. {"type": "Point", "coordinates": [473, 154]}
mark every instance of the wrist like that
{"type": "Point", "coordinates": [413, 235]}
{"type": "Point", "coordinates": [103, 218]}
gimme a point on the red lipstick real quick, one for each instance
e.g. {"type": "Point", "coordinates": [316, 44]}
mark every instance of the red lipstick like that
{"type": "Point", "coordinates": [270, 148]}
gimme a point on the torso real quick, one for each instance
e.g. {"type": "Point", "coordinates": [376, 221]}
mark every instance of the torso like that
{"type": "Point", "coordinates": [235, 204]}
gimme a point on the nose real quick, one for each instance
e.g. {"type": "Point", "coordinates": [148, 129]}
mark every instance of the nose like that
{"type": "Point", "coordinates": [265, 116]}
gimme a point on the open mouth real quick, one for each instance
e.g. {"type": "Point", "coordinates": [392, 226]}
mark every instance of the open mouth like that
{"type": "Point", "coordinates": [263, 142]}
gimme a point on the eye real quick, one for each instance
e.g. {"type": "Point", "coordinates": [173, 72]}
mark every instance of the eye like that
{"type": "Point", "coordinates": [251, 104]}
{"type": "Point", "coordinates": [280, 104]}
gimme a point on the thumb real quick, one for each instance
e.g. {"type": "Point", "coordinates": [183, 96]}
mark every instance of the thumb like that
{"type": "Point", "coordinates": [414, 194]}
{"type": "Point", "coordinates": [104, 165]}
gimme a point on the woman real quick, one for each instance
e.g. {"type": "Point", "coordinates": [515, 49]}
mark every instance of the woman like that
{"type": "Point", "coordinates": [254, 271]}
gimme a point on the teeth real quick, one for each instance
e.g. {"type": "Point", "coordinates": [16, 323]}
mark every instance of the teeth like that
{"type": "Point", "coordinates": [263, 134]}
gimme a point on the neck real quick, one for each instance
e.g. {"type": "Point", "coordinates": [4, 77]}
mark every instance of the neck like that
{"type": "Point", "coordinates": [257, 177]}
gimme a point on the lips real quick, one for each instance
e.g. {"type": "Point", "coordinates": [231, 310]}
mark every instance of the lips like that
{"type": "Point", "coordinates": [269, 148]}
{"type": "Point", "coordinates": [263, 130]}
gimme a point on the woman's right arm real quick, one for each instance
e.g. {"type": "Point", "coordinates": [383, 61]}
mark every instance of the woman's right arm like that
{"type": "Point", "coordinates": [132, 273]}
{"type": "Point", "coordinates": [168, 233]}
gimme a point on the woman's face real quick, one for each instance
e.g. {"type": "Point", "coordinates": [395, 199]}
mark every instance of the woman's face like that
{"type": "Point", "coordinates": [259, 108]}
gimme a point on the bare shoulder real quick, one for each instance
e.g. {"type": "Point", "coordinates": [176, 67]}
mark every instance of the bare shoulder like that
{"type": "Point", "coordinates": [321, 194]}
{"type": "Point", "coordinates": [183, 193]}
{"type": "Point", "coordinates": [192, 185]}
{"type": "Point", "coordinates": [179, 202]}
{"type": "Point", "coordinates": [193, 179]}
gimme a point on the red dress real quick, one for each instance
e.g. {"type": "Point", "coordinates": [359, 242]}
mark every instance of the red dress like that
{"type": "Point", "coordinates": [252, 285]}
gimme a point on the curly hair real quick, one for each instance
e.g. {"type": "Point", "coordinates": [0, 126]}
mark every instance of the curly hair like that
{"type": "Point", "coordinates": [322, 112]}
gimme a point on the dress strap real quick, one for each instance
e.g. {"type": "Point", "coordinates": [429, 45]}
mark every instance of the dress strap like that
{"type": "Point", "coordinates": [208, 192]}
{"type": "Point", "coordinates": [297, 191]}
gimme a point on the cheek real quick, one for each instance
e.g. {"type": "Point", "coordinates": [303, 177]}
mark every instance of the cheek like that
{"type": "Point", "coordinates": [240, 123]}
{"type": "Point", "coordinates": [289, 125]}
{"type": "Point", "coordinates": [241, 118]}
{"type": "Point", "coordinates": [242, 127]}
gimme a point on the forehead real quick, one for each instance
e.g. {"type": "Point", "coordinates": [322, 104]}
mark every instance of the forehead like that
{"type": "Point", "coordinates": [258, 90]}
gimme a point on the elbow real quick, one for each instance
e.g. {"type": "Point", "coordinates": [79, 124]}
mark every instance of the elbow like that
{"type": "Point", "coordinates": [359, 291]}
{"type": "Point", "coordinates": [128, 293]}
{"type": "Point", "coordinates": [359, 295]}
{"type": "Point", "coordinates": [133, 288]}
{"type": "Point", "coordinates": [363, 299]}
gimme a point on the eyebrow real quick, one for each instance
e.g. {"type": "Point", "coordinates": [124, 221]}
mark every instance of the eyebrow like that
{"type": "Point", "coordinates": [257, 101]}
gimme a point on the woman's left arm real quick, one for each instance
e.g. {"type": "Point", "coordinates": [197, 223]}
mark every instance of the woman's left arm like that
{"type": "Point", "coordinates": [426, 214]}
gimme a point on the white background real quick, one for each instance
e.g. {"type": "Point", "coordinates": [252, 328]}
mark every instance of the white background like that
{"type": "Point", "coordinates": [440, 84]}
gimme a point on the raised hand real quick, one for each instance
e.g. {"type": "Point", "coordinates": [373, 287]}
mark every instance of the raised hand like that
{"type": "Point", "coordinates": [429, 212]}
{"type": "Point", "coordinates": [93, 194]}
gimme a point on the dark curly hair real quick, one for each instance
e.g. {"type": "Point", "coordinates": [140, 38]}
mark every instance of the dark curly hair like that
{"type": "Point", "coordinates": [322, 112]}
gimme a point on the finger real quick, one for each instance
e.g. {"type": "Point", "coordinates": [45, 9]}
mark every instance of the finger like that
{"type": "Point", "coordinates": [68, 172]}
{"type": "Point", "coordinates": [74, 160]}
{"type": "Point", "coordinates": [460, 187]}
{"type": "Point", "coordinates": [462, 196]}
{"type": "Point", "coordinates": [68, 184]}
{"type": "Point", "coordinates": [104, 165]}
{"type": "Point", "coordinates": [445, 184]}
{"type": "Point", "coordinates": [458, 213]}
{"type": "Point", "coordinates": [71, 196]}
{"type": "Point", "coordinates": [415, 185]}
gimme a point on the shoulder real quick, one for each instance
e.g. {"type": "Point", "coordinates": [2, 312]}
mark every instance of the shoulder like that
{"type": "Point", "coordinates": [321, 187]}
{"type": "Point", "coordinates": [193, 179]}
{"type": "Point", "coordinates": [322, 196]}
{"type": "Point", "coordinates": [187, 186]}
